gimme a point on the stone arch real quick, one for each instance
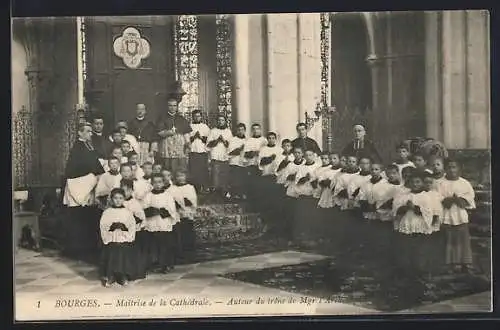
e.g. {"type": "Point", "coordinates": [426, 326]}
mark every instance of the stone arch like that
{"type": "Point", "coordinates": [369, 20]}
{"type": "Point", "coordinates": [353, 45]}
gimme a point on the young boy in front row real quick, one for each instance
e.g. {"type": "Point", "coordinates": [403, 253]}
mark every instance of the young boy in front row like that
{"type": "Point", "coordinates": [414, 219]}
{"type": "Point", "coordinates": [291, 194]}
{"type": "Point", "coordinates": [117, 229]}
{"type": "Point", "coordinates": [306, 204]}
{"type": "Point", "coordinates": [341, 194]}
{"type": "Point", "coordinates": [161, 216]}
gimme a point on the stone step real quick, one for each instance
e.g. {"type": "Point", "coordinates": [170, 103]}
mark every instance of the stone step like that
{"type": "Point", "coordinates": [232, 208]}
{"type": "Point", "coordinates": [212, 228]}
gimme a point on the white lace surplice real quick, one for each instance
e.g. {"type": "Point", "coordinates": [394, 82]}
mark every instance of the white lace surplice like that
{"type": "Point", "coordinates": [410, 223]}
{"type": "Point", "coordinates": [462, 189]}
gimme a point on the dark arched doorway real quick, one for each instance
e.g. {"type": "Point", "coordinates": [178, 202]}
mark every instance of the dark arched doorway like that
{"type": "Point", "coordinates": [351, 81]}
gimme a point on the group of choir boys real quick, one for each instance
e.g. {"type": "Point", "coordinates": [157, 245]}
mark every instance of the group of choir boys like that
{"type": "Point", "coordinates": [148, 217]}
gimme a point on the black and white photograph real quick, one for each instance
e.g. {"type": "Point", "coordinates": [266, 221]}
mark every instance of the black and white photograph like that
{"type": "Point", "coordinates": [238, 165]}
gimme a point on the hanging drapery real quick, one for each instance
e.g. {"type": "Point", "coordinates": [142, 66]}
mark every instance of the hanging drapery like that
{"type": "Point", "coordinates": [224, 62]}
{"type": "Point", "coordinates": [187, 62]}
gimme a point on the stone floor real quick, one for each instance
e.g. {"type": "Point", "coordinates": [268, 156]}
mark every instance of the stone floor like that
{"type": "Point", "coordinates": [44, 278]}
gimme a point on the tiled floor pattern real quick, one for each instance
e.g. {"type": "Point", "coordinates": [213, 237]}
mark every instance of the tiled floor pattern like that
{"type": "Point", "coordinates": [39, 276]}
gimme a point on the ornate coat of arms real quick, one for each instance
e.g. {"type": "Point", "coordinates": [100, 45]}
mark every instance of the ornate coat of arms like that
{"type": "Point", "coordinates": [131, 47]}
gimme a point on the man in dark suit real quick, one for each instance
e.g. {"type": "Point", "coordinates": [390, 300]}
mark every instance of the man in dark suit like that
{"type": "Point", "coordinates": [305, 142]}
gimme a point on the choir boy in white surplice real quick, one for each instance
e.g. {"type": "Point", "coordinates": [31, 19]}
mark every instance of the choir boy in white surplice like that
{"type": "Point", "coordinates": [281, 164]}
{"type": "Point", "coordinates": [306, 215]}
{"type": "Point", "coordinates": [267, 181]}
{"type": "Point", "coordinates": [403, 161]}
{"type": "Point", "coordinates": [133, 159]}
{"type": "Point", "coordinates": [141, 186]}
{"type": "Point", "coordinates": [291, 194]}
{"type": "Point", "coordinates": [157, 168]}
{"type": "Point", "coordinates": [218, 142]}
{"type": "Point", "coordinates": [82, 221]}
{"type": "Point", "coordinates": [141, 236]}
{"type": "Point", "coordinates": [370, 190]}
{"type": "Point", "coordinates": [341, 193]}
{"type": "Point", "coordinates": [107, 182]}
{"type": "Point", "coordinates": [237, 170]}
{"type": "Point", "coordinates": [147, 168]}
{"type": "Point", "coordinates": [189, 203]}
{"type": "Point", "coordinates": [161, 216]}
{"type": "Point", "coordinates": [359, 180]}
{"type": "Point", "coordinates": [326, 201]}
{"type": "Point", "coordinates": [414, 218]}
{"type": "Point", "coordinates": [323, 183]}
{"type": "Point", "coordinates": [387, 190]}
{"type": "Point", "coordinates": [429, 187]}
{"type": "Point", "coordinates": [437, 165]}
{"type": "Point", "coordinates": [173, 190]}
{"type": "Point", "coordinates": [117, 230]}
{"type": "Point", "coordinates": [420, 162]}
{"type": "Point", "coordinates": [198, 155]}
{"type": "Point", "coordinates": [251, 151]}
{"type": "Point", "coordinates": [458, 198]}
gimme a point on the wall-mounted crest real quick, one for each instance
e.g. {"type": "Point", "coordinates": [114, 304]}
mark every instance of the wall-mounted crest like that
{"type": "Point", "coordinates": [131, 47]}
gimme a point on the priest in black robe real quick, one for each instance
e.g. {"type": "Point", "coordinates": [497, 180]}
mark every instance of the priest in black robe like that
{"type": "Point", "coordinates": [361, 146]}
{"type": "Point", "coordinates": [100, 141]}
{"type": "Point", "coordinates": [81, 224]}
{"type": "Point", "coordinates": [305, 142]}
{"type": "Point", "coordinates": [145, 133]}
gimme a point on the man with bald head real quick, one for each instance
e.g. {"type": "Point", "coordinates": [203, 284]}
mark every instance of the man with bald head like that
{"type": "Point", "coordinates": [360, 146]}
{"type": "Point", "coordinates": [145, 133]}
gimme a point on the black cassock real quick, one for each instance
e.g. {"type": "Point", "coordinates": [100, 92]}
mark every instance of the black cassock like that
{"type": "Point", "coordinates": [102, 145]}
{"type": "Point", "coordinates": [81, 224]}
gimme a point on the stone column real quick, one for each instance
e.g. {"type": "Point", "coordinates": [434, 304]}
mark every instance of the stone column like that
{"type": "Point", "coordinates": [309, 68]}
{"type": "Point", "coordinates": [241, 68]}
{"type": "Point", "coordinates": [433, 80]}
{"type": "Point", "coordinates": [478, 80]}
{"type": "Point", "coordinates": [454, 79]}
{"type": "Point", "coordinates": [282, 74]}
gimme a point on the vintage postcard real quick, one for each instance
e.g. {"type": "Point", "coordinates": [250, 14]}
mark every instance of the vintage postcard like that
{"type": "Point", "coordinates": [251, 165]}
